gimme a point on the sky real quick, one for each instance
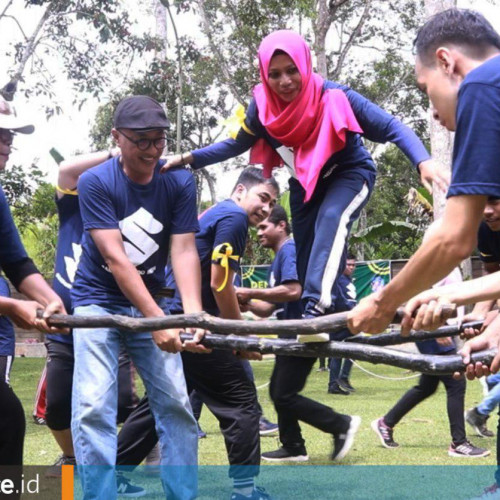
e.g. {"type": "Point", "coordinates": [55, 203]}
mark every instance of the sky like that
{"type": "Point", "coordinates": [69, 132]}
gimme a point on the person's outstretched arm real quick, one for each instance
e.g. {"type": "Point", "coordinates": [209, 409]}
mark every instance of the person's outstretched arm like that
{"type": "Point", "coordinates": [436, 258]}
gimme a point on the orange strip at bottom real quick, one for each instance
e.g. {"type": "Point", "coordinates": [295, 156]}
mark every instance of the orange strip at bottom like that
{"type": "Point", "coordinates": [67, 482]}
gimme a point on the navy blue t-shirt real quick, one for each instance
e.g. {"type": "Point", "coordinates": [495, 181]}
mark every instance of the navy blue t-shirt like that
{"type": "Point", "coordinates": [224, 222]}
{"type": "Point", "coordinates": [68, 251]}
{"type": "Point", "coordinates": [488, 243]}
{"type": "Point", "coordinates": [146, 216]}
{"type": "Point", "coordinates": [377, 125]}
{"type": "Point", "coordinates": [7, 335]}
{"type": "Point", "coordinates": [433, 347]}
{"type": "Point", "coordinates": [476, 149]}
{"type": "Point", "coordinates": [284, 270]}
{"type": "Point", "coordinates": [11, 248]}
{"type": "Point", "coordinates": [345, 299]}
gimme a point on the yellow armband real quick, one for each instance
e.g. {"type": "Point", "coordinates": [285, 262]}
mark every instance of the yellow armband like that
{"type": "Point", "coordinates": [221, 255]}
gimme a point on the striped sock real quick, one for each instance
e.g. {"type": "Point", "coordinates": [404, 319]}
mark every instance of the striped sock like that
{"type": "Point", "coordinates": [244, 486]}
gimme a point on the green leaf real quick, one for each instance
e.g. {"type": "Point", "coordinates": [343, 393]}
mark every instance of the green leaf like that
{"type": "Point", "coordinates": [58, 157]}
{"type": "Point", "coordinates": [374, 232]}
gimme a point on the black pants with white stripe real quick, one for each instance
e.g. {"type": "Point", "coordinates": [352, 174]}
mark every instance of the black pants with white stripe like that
{"type": "Point", "coordinates": [321, 228]}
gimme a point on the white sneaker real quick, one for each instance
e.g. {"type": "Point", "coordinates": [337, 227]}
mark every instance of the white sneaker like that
{"type": "Point", "coordinates": [315, 337]}
{"type": "Point", "coordinates": [490, 493]}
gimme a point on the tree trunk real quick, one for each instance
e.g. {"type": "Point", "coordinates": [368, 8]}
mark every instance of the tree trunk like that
{"type": "Point", "coordinates": [321, 26]}
{"type": "Point", "coordinates": [211, 185]}
{"type": "Point", "coordinates": [441, 139]}
{"type": "Point", "coordinates": [161, 28]}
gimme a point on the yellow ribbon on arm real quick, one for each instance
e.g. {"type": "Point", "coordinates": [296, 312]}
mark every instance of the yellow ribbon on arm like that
{"type": "Point", "coordinates": [236, 121]}
{"type": "Point", "coordinates": [221, 255]}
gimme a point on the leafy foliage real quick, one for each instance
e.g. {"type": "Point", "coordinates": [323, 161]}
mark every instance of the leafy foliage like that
{"type": "Point", "coordinates": [31, 199]}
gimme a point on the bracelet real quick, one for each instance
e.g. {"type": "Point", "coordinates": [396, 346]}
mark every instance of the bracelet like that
{"type": "Point", "coordinates": [182, 160]}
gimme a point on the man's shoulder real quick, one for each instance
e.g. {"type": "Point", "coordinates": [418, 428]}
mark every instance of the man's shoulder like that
{"type": "Point", "coordinates": [288, 248]}
{"type": "Point", "coordinates": [101, 171]}
{"type": "Point", "coordinates": [487, 73]}
{"type": "Point", "coordinates": [226, 209]}
{"type": "Point", "coordinates": [176, 176]}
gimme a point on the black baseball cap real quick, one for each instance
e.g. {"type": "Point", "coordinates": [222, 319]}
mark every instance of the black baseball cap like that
{"type": "Point", "coordinates": [140, 112]}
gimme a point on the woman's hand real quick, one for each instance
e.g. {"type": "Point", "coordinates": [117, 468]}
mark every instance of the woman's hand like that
{"type": "Point", "coordinates": [176, 160]}
{"type": "Point", "coordinates": [430, 174]}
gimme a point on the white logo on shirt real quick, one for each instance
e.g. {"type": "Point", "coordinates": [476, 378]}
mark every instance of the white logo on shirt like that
{"type": "Point", "coordinates": [137, 228]}
{"type": "Point", "coordinates": [351, 291]}
{"type": "Point", "coordinates": [71, 264]}
{"type": "Point", "coordinates": [272, 280]}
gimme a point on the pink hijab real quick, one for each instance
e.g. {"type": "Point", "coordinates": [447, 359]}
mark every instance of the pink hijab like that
{"type": "Point", "coordinates": [314, 124]}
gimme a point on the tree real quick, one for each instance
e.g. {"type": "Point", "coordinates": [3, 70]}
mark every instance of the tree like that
{"type": "Point", "coordinates": [92, 39]}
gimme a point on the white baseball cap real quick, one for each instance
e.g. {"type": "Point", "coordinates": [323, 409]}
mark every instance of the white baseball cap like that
{"type": "Point", "coordinates": [10, 121]}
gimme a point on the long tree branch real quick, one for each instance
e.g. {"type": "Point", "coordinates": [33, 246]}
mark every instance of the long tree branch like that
{"type": "Point", "coordinates": [394, 338]}
{"type": "Point", "coordinates": [18, 25]}
{"type": "Point", "coordinates": [329, 323]}
{"type": "Point", "coordinates": [9, 90]}
{"type": "Point", "coordinates": [424, 363]}
{"type": "Point", "coordinates": [436, 365]}
{"type": "Point", "coordinates": [9, 3]}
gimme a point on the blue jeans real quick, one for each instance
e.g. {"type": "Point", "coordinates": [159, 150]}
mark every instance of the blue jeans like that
{"type": "Point", "coordinates": [490, 402]}
{"type": "Point", "coordinates": [340, 368]}
{"type": "Point", "coordinates": [94, 407]}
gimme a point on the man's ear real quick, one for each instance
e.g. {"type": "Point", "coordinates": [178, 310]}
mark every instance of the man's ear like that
{"type": "Point", "coordinates": [445, 60]}
{"type": "Point", "coordinates": [115, 134]}
{"type": "Point", "coordinates": [240, 191]}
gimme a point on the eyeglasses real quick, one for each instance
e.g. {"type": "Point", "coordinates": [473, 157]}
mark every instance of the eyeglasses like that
{"type": "Point", "coordinates": [6, 135]}
{"type": "Point", "coordinates": [144, 144]}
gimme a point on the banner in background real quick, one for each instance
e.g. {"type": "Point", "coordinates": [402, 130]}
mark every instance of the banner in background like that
{"type": "Point", "coordinates": [254, 276]}
{"type": "Point", "coordinates": [371, 276]}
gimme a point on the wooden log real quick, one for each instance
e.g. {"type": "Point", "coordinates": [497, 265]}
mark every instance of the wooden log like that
{"type": "Point", "coordinates": [395, 338]}
{"type": "Point", "coordinates": [291, 327]}
{"type": "Point", "coordinates": [424, 363]}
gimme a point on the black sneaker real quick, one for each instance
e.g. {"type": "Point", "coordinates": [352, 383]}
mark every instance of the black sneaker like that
{"type": "Point", "coordinates": [125, 489]}
{"type": "Point", "coordinates": [478, 422]}
{"type": "Point", "coordinates": [336, 389]}
{"type": "Point", "coordinates": [467, 450]}
{"type": "Point", "coordinates": [384, 432]}
{"type": "Point", "coordinates": [267, 428]}
{"type": "Point", "coordinates": [258, 493]}
{"type": "Point", "coordinates": [342, 442]}
{"type": "Point", "coordinates": [56, 470]}
{"type": "Point", "coordinates": [284, 455]}
{"type": "Point", "coordinates": [39, 420]}
{"type": "Point", "coordinates": [346, 385]}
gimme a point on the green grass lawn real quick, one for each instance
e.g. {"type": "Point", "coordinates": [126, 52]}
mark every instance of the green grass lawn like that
{"type": "Point", "coordinates": [423, 434]}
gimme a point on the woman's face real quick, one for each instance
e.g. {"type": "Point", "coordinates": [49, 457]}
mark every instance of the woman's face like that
{"type": "Point", "coordinates": [284, 78]}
